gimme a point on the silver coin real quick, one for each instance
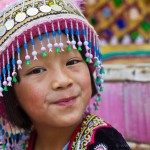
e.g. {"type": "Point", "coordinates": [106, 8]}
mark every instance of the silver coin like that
{"type": "Point", "coordinates": [56, 7]}
{"type": "Point", "coordinates": [9, 24]}
{"type": "Point", "coordinates": [45, 8]}
{"type": "Point", "coordinates": [2, 30]}
{"type": "Point", "coordinates": [20, 17]}
{"type": "Point", "coordinates": [32, 11]}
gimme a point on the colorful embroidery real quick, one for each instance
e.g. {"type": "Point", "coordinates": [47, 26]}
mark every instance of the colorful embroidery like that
{"type": "Point", "coordinates": [84, 136]}
{"type": "Point", "coordinates": [101, 147]}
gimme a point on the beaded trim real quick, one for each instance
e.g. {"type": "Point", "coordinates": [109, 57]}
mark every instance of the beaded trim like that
{"type": "Point", "coordinates": [11, 137]}
{"type": "Point", "coordinates": [25, 10]}
{"type": "Point", "coordinates": [84, 136]}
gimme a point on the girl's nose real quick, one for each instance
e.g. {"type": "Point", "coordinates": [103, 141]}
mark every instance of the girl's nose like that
{"type": "Point", "coordinates": [61, 80]}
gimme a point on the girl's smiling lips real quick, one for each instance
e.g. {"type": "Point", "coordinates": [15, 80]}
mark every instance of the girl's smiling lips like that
{"type": "Point", "coordinates": [65, 101]}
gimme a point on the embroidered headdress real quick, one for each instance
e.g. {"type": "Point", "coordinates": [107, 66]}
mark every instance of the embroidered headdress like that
{"type": "Point", "coordinates": [20, 22]}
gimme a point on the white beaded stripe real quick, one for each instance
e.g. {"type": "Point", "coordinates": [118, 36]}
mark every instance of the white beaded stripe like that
{"type": "Point", "coordinates": [41, 20]}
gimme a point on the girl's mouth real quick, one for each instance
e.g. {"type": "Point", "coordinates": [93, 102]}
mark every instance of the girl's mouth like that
{"type": "Point", "coordinates": [65, 101]}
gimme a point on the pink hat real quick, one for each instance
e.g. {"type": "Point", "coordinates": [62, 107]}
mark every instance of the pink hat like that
{"type": "Point", "coordinates": [22, 20]}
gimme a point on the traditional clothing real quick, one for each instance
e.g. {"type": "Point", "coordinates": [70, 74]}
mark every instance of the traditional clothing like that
{"type": "Point", "coordinates": [92, 134]}
{"type": "Point", "coordinates": [20, 23]}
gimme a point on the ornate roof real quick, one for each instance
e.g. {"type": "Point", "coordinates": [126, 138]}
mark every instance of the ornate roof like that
{"type": "Point", "coordinates": [123, 26]}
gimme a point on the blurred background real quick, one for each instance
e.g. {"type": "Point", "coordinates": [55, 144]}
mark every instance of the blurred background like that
{"type": "Point", "coordinates": [124, 29]}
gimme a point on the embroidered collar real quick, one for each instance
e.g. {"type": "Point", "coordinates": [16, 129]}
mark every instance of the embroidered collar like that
{"type": "Point", "coordinates": [82, 136]}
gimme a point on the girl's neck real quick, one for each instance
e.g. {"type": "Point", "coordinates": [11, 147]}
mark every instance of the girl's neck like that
{"type": "Point", "coordinates": [53, 138]}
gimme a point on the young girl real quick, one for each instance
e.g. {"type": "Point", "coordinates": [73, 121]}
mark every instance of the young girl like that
{"type": "Point", "coordinates": [48, 54]}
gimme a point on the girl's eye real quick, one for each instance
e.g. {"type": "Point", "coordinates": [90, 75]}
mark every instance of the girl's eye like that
{"type": "Point", "coordinates": [37, 71]}
{"type": "Point", "coordinates": [73, 62]}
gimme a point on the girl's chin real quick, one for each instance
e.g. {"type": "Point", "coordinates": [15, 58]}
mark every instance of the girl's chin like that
{"type": "Point", "coordinates": [71, 121]}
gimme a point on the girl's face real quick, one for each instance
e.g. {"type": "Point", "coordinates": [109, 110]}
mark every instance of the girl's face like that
{"type": "Point", "coordinates": [54, 90]}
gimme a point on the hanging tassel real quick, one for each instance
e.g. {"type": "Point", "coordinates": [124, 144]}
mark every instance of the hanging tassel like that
{"type": "Point", "coordinates": [14, 74]}
{"type": "Point", "coordinates": [50, 50]}
{"type": "Point", "coordinates": [57, 50]}
{"type": "Point", "coordinates": [101, 89]}
{"type": "Point", "coordinates": [69, 48]}
{"type": "Point", "coordinates": [99, 98]}
{"type": "Point", "coordinates": [90, 61]}
{"type": "Point", "coordinates": [34, 54]}
{"type": "Point", "coordinates": [43, 49]}
{"type": "Point", "coordinates": [1, 90]}
{"type": "Point", "coordinates": [1, 95]}
{"type": "Point", "coordinates": [89, 57]}
{"type": "Point", "coordinates": [74, 47]}
{"type": "Point", "coordinates": [87, 48]}
{"type": "Point", "coordinates": [87, 60]}
{"type": "Point", "coordinates": [102, 71]}
{"type": "Point", "coordinates": [98, 80]}
{"type": "Point", "coordinates": [95, 105]}
{"type": "Point", "coordinates": [86, 43]}
{"type": "Point", "coordinates": [28, 62]}
{"type": "Point", "coordinates": [14, 80]}
{"type": "Point", "coordinates": [35, 58]}
{"type": "Point", "coordinates": [50, 47]}
{"type": "Point", "coordinates": [79, 48]}
{"type": "Point", "coordinates": [19, 62]}
{"type": "Point", "coordinates": [9, 83]}
{"type": "Point", "coordinates": [5, 88]}
{"type": "Point", "coordinates": [88, 110]}
{"type": "Point", "coordinates": [62, 49]}
{"type": "Point", "coordinates": [44, 54]}
{"type": "Point", "coordinates": [61, 45]}
{"type": "Point", "coordinates": [19, 67]}
{"type": "Point", "coordinates": [5, 85]}
{"type": "Point", "coordinates": [95, 62]}
{"type": "Point", "coordinates": [9, 79]}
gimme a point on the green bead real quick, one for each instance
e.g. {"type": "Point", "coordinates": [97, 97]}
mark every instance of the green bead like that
{"type": "Point", "coordinates": [101, 89]}
{"type": "Point", "coordinates": [87, 60]}
{"type": "Point", "coordinates": [98, 80]}
{"type": "Point", "coordinates": [118, 2]}
{"type": "Point", "coordinates": [134, 35]}
{"type": "Point", "coordinates": [99, 98]}
{"type": "Point", "coordinates": [5, 88]}
{"type": "Point", "coordinates": [14, 79]}
{"type": "Point", "coordinates": [28, 62]}
{"type": "Point", "coordinates": [69, 48]}
{"type": "Point", "coordinates": [57, 50]}
{"type": "Point", "coordinates": [102, 71]}
{"type": "Point", "coordinates": [79, 48]}
{"type": "Point", "coordinates": [44, 54]}
{"type": "Point", "coordinates": [3, 146]}
{"type": "Point", "coordinates": [23, 145]}
{"type": "Point", "coordinates": [95, 108]}
{"type": "Point", "coordinates": [95, 64]}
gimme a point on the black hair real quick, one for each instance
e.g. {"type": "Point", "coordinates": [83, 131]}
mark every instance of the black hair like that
{"type": "Point", "coordinates": [15, 113]}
